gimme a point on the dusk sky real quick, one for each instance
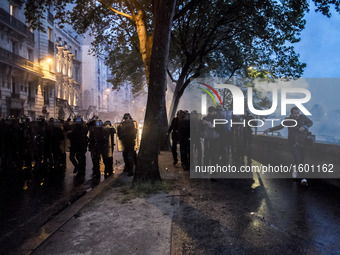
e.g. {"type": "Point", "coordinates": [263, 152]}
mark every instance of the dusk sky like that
{"type": "Point", "coordinates": [320, 46]}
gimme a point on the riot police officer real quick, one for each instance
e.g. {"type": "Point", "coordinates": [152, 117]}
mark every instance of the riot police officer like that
{"type": "Point", "coordinates": [95, 127]}
{"type": "Point", "coordinates": [54, 139]}
{"type": "Point", "coordinates": [108, 146]}
{"type": "Point", "coordinates": [174, 136]}
{"type": "Point", "coordinates": [78, 140]}
{"type": "Point", "coordinates": [127, 132]}
{"type": "Point", "coordinates": [184, 138]}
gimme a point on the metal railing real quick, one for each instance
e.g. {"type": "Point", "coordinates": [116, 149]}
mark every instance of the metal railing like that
{"type": "Point", "coordinates": [16, 24]}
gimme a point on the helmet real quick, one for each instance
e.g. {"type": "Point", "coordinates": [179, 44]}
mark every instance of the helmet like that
{"type": "Point", "coordinates": [127, 116]}
{"type": "Point", "coordinates": [24, 119]}
{"type": "Point", "coordinates": [211, 109]}
{"type": "Point", "coordinates": [99, 123]}
{"type": "Point", "coordinates": [78, 119]}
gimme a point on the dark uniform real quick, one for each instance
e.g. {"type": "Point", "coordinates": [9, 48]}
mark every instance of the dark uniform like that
{"type": "Point", "coordinates": [127, 134]}
{"type": "Point", "coordinates": [238, 141]}
{"type": "Point", "coordinates": [210, 138]}
{"type": "Point", "coordinates": [296, 137]}
{"type": "Point", "coordinates": [54, 140]}
{"type": "Point", "coordinates": [95, 127]}
{"type": "Point", "coordinates": [195, 138]}
{"type": "Point", "coordinates": [78, 140]}
{"type": "Point", "coordinates": [108, 146]}
{"type": "Point", "coordinates": [184, 138]}
{"type": "Point", "coordinates": [38, 136]}
{"type": "Point", "coordinates": [174, 137]}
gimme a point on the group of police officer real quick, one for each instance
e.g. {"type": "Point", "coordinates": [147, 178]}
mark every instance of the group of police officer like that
{"type": "Point", "coordinates": [210, 144]}
{"type": "Point", "coordinates": [41, 145]}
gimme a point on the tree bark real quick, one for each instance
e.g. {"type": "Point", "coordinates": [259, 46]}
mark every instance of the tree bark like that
{"type": "Point", "coordinates": [145, 42]}
{"type": "Point", "coordinates": [147, 163]}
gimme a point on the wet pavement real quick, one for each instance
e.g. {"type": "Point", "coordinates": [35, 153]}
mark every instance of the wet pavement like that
{"type": "Point", "coordinates": [27, 205]}
{"type": "Point", "coordinates": [259, 216]}
{"type": "Point", "coordinates": [203, 216]}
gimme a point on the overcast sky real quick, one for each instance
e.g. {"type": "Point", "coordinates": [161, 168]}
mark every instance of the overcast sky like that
{"type": "Point", "coordinates": [320, 46]}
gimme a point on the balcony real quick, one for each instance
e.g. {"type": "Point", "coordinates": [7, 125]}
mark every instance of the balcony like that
{"type": "Point", "coordinates": [15, 60]}
{"type": "Point", "coordinates": [16, 25]}
{"type": "Point", "coordinates": [50, 47]}
{"type": "Point", "coordinates": [15, 96]}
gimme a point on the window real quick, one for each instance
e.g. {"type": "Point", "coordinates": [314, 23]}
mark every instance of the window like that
{"type": "Point", "coordinates": [30, 90]}
{"type": "Point", "coordinates": [50, 34]}
{"type": "Point", "coordinates": [23, 88]}
{"type": "Point", "coordinates": [30, 54]}
{"type": "Point", "coordinates": [13, 85]}
{"type": "Point", "coordinates": [46, 96]}
{"type": "Point", "coordinates": [76, 54]}
{"type": "Point", "coordinates": [13, 10]}
{"type": "Point", "coordinates": [76, 74]}
{"type": "Point", "coordinates": [14, 47]}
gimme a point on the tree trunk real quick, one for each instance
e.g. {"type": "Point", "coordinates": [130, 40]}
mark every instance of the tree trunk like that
{"type": "Point", "coordinates": [147, 165]}
{"type": "Point", "coordinates": [145, 42]}
{"type": "Point", "coordinates": [164, 141]}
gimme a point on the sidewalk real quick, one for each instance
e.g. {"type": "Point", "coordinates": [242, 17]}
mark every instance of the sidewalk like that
{"type": "Point", "coordinates": [104, 221]}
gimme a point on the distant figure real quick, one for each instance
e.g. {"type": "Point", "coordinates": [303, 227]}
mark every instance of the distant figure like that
{"type": "Point", "coordinates": [238, 141]}
{"type": "Point", "coordinates": [127, 133]}
{"type": "Point", "coordinates": [184, 138]}
{"type": "Point", "coordinates": [210, 138]}
{"type": "Point", "coordinates": [296, 135]}
{"type": "Point", "coordinates": [195, 136]}
{"type": "Point", "coordinates": [248, 135]}
{"type": "Point", "coordinates": [174, 136]}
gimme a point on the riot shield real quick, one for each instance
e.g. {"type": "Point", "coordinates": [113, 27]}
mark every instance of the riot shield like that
{"type": "Point", "coordinates": [120, 146]}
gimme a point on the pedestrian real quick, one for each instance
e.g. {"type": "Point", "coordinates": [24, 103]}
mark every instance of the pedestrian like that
{"type": "Point", "coordinates": [127, 133]}
{"type": "Point", "coordinates": [296, 135]}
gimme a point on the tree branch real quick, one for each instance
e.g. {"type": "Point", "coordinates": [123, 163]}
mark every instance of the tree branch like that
{"type": "Point", "coordinates": [170, 75]}
{"type": "Point", "coordinates": [114, 10]}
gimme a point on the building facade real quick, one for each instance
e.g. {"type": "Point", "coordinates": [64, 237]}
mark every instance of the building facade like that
{"type": "Point", "coordinates": [21, 76]}
{"type": "Point", "coordinates": [51, 72]}
{"type": "Point", "coordinates": [98, 96]}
